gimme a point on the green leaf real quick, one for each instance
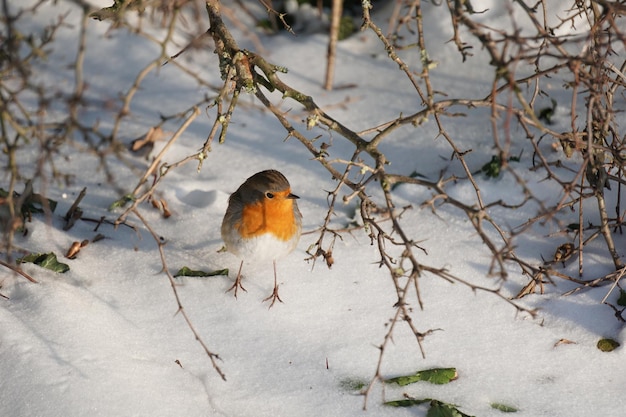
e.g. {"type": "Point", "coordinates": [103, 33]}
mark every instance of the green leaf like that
{"type": "Point", "coordinates": [607, 345]}
{"type": "Point", "coordinates": [492, 168]}
{"type": "Point", "coordinates": [437, 408]}
{"type": "Point", "coordinates": [45, 260]}
{"type": "Point", "coordinates": [346, 28]}
{"type": "Point", "coordinates": [546, 113]}
{"type": "Point", "coordinates": [621, 301]}
{"type": "Point", "coordinates": [504, 408]}
{"type": "Point", "coordinates": [441, 409]}
{"type": "Point", "coordinates": [573, 226]}
{"type": "Point", "coordinates": [264, 24]}
{"type": "Point", "coordinates": [121, 202]}
{"type": "Point", "coordinates": [408, 402]}
{"type": "Point", "coordinates": [33, 203]}
{"type": "Point", "coordinates": [186, 272]}
{"type": "Point", "coordinates": [434, 376]}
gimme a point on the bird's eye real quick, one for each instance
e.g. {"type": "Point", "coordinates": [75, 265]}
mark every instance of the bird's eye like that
{"type": "Point", "coordinates": [269, 195]}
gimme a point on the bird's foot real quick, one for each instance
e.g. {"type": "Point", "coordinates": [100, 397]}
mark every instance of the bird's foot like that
{"type": "Point", "coordinates": [273, 296]}
{"type": "Point", "coordinates": [236, 286]}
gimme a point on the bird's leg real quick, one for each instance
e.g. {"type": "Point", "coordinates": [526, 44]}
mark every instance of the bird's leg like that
{"type": "Point", "coordinates": [274, 295]}
{"type": "Point", "coordinates": [237, 283]}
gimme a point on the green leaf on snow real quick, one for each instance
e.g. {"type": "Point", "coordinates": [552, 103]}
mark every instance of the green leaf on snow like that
{"type": "Point", "coordinates": [546, 113]}
{"type": "Point", "coordinates": [121, 202]}
{"type": "Point", "coordinates": [32, 202]}
{"type": "Point", "coordinates": [492, 168]}
{"type": "Point", "coordinates": [504, 408]}
{"type": "Point", "coordinates": [407, 402]}
{"type": "Point", "coordinates": [437, 408]}
{"type": "Point", "coordinates": [186, 272]}
{"type": "Point", "coordinates": [434, 376]}
{"type": "Point", "coordinates": [573, 226]}
{"type": "Point", "coordinates": [45, 260]}
{"type": "Point", "coordinates": [441, 409]}
{"type": "Point", "coordinates": [607, 345]}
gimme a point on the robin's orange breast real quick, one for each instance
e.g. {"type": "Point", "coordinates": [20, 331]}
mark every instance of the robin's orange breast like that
{"type": "Point", "coordinates": [275, 216]}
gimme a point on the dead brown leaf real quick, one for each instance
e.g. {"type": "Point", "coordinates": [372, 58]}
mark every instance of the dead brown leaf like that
{"type": "Point", "coordinates": [146, 143]}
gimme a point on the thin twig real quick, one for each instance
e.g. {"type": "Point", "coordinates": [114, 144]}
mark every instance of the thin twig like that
{"type": "Point", "coordinates": [213, 357]}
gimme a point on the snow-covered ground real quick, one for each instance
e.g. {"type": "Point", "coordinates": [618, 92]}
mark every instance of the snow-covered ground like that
{"type": "Point", "coordinates": [105, 339]}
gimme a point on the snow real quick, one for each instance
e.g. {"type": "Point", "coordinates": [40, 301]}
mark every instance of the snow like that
{"type": "Point", "coordinates": [105, 339]}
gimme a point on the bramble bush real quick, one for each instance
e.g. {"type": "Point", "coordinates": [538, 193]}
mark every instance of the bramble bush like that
{"type": "Point", "coordinates": [579, 44]}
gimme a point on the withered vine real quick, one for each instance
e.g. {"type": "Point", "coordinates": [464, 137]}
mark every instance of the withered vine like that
{"type": "Point", "coordinates": [581, 44]}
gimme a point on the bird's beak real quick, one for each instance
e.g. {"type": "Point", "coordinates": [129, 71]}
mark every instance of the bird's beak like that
{"type": "Point", "coordinates": [292, 196]}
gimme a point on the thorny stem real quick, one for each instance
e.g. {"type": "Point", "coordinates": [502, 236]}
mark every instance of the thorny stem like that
{"type": "Point", "coordinates": [254, 73]}
{"type": "Point", "coordinates": [152, 169]}
{"type": "Point", "coordinates": [213, 357]}
{"type": "Point", "coordinates": [267, 77]}
{"type": "Point", "coordinates": [596, 75]}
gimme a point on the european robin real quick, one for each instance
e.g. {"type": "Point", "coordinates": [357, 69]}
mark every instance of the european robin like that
{"type": "Point", "coordinates": [262, 222]}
